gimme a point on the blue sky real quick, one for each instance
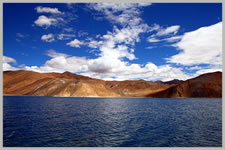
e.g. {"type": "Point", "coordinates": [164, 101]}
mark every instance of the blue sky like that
{"type": "Point", "coordinates": [114, 41]}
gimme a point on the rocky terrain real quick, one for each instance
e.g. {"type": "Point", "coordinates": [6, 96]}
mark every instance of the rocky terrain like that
{"type": "Point", "coordinates": [206, 85]}
{"type": "Point", "coordinates": [29, 83]}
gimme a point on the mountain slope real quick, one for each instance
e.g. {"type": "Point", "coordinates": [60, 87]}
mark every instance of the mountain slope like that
{"type": "Point", "coordinates": [53, 84]}
{"type": "Point", "coordinates": [30, 83]}
{"type": "Point", "coordinates": [206, 85]}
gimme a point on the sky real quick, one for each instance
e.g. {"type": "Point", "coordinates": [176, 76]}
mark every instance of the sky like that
{"type": "Point", "coordinates": [114, 41]}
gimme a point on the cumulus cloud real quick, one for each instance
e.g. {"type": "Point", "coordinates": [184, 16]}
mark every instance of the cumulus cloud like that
{"type": "Point", "coordinates": [44, 21]}
{"type": "Point", "coordinates": [48, 37]}
{"type": "Point", "coordinates": [202, 46]}
{"type": "Point", "coordinates": [7, 61]}
{"type": "Point", "coordinates": [41, 9]}
{"type": "Point", "coordinates": [75, 43]}
{"type": "Point", "coordinates": [113, 48]}
{"type": "Point", "coordinates": [60, 62]}
{"type": "Point", "coordinates": [125, 71]}
{"type": "Point", "coordinates": [116, 45]}
{"type": "Point", "coordinates": [52, 53]}
{"type": "Point", "coordinates": [107, 68]}
{"type": "Point", "coordinates": [54, 17]}
{"type": "Point", "coordinates": [94, 43]}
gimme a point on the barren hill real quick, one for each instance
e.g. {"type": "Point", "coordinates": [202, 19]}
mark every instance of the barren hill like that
{"type": "Point", "coordinates": [30, 83]}
{"type": "Point", "coordinates": [206, 85]}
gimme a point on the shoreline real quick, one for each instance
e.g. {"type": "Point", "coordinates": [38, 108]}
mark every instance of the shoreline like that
{"type": "Point", "coordinates": [110, 97]}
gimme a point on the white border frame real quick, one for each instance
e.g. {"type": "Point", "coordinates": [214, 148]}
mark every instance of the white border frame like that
{"type": "Point", "coordinates": [93, 1]}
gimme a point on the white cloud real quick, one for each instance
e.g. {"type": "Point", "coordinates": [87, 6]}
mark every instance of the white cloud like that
{"type": "Point", "coordinates": [169, 39]}
{"type": "Point", "coordinates": [94, 44]}
{"type": "Point", "coordinates": [123, 71]}
{"type": "Point", "coordinates": [173, 38]}
{"type": "Point", "coordinates": [128, 35]}
{"type": "Point", "coordinates": [153, 40]}
{"type": "Point", "coordinates": [169, 30]}
{"type": "Point", "coordinates": [48, 37]}
{"type": "Point", "coordinates": [114, 45]}
{"type": "Point", "coordinates": [202, 46]}
{"type": "Point", "coordinates": [6, 59]}
{"type": "Point", "coordinates": [41, 9]}
{"type": "Point", "coordinates": [117, 6]}
{"type": "Point", "coordinates": [63, 36]}
{"type": "Point", "coordinates": [75, 43]}
{"type": "Point", "coordinates": [165, 35]}
{"type": "Point", "coordinates": [194, 68]}
{"type": "Point", "coordinates": [203, 71]}
{"type": "Point", "coordinates": [119, 43]}
{"type": "Point", "coordinates": [55, 18]}
{"type": "Point", "coordinates": [61, 62]}
{"type": "Point", "coordinates": [110, 67]}
{"type": "Point", "coordinates": [120, 13]}
{"type": "Point", "coordinates": [7, 63]}
{"type": "Point", "coordinates": [52, 53]}
{"type": "Point", "coordinates": [44, 21]}
{"type": "Point", "coordinates": [106, 67]}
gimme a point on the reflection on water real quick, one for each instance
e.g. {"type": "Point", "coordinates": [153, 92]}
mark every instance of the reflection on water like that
{"type": "Point", "coordinates": [88, 122]}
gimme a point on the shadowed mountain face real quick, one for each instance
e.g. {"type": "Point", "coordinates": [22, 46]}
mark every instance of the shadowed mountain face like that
{"type": "Point", "coordinates": [29, 83]}
{"type": "Point", "coordinates": [206, 85]}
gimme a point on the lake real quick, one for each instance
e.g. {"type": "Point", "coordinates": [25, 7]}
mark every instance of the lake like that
{"type": "Point", "coordinates": [111, 122]}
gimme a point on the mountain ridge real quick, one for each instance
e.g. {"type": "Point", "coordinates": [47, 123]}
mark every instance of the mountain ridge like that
{"type": "Point", "coordinates": [67, 84]}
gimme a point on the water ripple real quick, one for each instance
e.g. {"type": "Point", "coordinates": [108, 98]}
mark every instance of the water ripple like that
{"type": "Point", "coordinates": [111, 122]}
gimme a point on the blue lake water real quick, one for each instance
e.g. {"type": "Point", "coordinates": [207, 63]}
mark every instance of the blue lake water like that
{"type": "Point", "coordinates": [111, 122]}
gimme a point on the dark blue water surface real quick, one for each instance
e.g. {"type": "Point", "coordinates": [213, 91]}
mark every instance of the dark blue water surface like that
{"type": "Point", "coordinates": [107, 122]}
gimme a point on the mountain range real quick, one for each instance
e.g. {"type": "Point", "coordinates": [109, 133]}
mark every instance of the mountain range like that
{"type": "Point", "coordinates": [30, 83]}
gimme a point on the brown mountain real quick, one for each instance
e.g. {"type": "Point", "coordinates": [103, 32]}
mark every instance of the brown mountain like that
{"type": "Point", "coordinates": [53, 84]}
{"type": "Point", "coordinates": [135, 88]}
{"type": "Point", "coordinates": [30, 83]}
{"type": "Point", "coordinates": [175, 81]}
{"type": "Point", "coordinates": [206, 85]}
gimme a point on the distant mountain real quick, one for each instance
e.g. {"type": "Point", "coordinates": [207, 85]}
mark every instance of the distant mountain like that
{"type": "Point", "coordinates": [175, 81]}
{"type": "Point", "coordinates": [30, 83]}
{"type": "Point", "coordinates": [206, 85]}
